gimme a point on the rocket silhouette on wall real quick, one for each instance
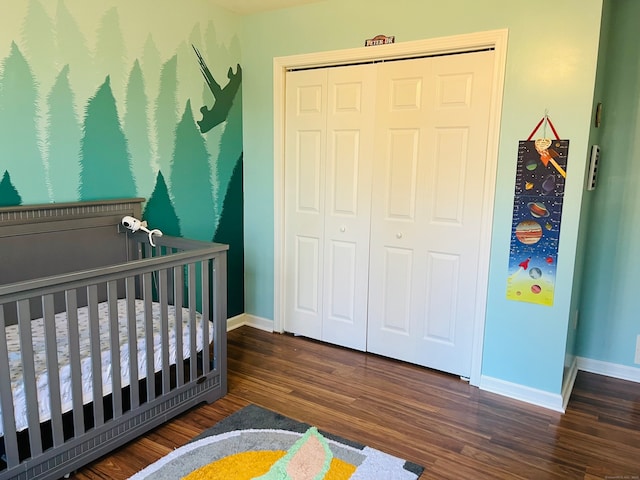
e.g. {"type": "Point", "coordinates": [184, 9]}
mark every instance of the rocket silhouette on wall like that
{"type": "Point", "coordinates": [218, 113]}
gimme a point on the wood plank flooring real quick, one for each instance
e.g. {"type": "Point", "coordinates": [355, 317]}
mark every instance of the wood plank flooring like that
{"type": "Point", "coordinates": [454, 430]}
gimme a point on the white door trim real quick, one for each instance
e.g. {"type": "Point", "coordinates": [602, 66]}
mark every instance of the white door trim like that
{"type": "Point", "coordinates": [496, 39]}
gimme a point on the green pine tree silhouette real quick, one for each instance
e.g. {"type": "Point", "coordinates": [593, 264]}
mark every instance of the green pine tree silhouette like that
{"type": "Point", "coordinates": [105, 167]}
{"type": "Point", "coordinates": [165, 114]}
{"type": "Point", "coordinates": [72, 49]}
{"type": "Point", "coordinates": [231, 231]}
{"type": "Point", "coordinates": [38, 42]}
{"type": "Point", "coordinates": [159, 212]}
{"type": "Point", "coordinates": [151, 64]}
{"type": "Point", "coordinates": [9, 196]}
{"type": "Point", "coordinates": [110, 56]}
{"type": "Point", "coordinates": [191, 180]}
{"type": "Point", "coordinates": [231, 142]}
{"type": "Point", "coordinates": [136, 128]}
{"type": "Point", "coordinates": [63, 135]}
{"type": "Point", "coordinates": [19, 145]}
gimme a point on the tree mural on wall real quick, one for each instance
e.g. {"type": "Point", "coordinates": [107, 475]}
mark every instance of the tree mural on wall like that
{"type": "Point", "coordinates": [227, 107]}
{"type": "Point", "coordinates": [63, 139]}
{"type": "Point", "coordinates": [136, 129]}
{"type": "Point", "coordinates": [105, 169]}
{"type": "Point", "coordinates": [111, 53]}
{"type": "Point", "coordinates": [190, 182]}
{"type": "Point", "coordinates": [72, 50]}
{"type": "Point", "coordinates": [159, 211]}
{"type": "Point", "coordinates": [231, 143]}
{"type": "Point", "coordinates": [231, 231]}
{"type": "Point", "coordinates": [151, 67]}
{"type": "Point", "coordinates": [166, 113]}
{"type": "Point", "coordinates": [9, 196]}
{"type": "Point", "coordinates": [39, 42]}
{"type": "Point", "coordinates": [18, 128]}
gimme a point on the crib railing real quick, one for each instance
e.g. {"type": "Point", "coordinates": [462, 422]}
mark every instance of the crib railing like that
{"type": "Point", "coordinates": [182, 276]}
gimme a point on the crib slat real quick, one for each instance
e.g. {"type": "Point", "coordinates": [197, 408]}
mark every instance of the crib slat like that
{"type": "Point", "coordinates": [164, 329]}
{"type": "Point", "coordinates": [220, 317]}
{"type": "Point", "coordinates": [74, 361]}
{"type": "Point", "coordinates": [133, 343]}
{"type": "Point", "coordinates": [114, 350]}
{"type": "Point", "coordinates": [6, 399]}
{"type": "Point", "coordinates": [178, 287]}
{"type": "Point", "coordinates": [206, 363]}
{"type": "Point", "coordinates": [193, 349]}
{"type": "Point", "coordinates": [96, 357]}
{"type": "Point", "coordinates": [29, 376]}
{"type": "Point", "coordinates": [147, 296]}
{"type": "Point", "coordinates": [53, 370]}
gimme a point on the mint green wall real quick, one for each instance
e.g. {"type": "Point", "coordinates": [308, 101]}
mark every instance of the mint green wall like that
{"type": "Point", "coordinates": [609, 319]}
{"type": "Point", "coordinates": [551, 65]}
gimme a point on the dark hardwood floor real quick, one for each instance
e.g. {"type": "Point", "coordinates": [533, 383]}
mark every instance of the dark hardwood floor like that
{"type": "Point", "coordinates": [454, 430]}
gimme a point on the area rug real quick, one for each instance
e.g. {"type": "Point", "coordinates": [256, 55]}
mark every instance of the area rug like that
{"type": "Point", "coordinates": [255, 443]}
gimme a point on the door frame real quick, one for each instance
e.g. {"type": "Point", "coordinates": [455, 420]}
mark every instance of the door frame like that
{"type": "Point", "coordinates": [496, 39]}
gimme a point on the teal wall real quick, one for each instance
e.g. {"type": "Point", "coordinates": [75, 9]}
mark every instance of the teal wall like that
{"type": "Point", "coordinates": [551, 65]}
{"type": "Point", "coordinates": [105, 100]}
{"type": "Point", "coordinates": [609, 320]}
{"type": "Point", "coordinates": [585, 245]}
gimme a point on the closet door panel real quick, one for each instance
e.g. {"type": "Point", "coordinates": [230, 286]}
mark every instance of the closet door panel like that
{"type": "Point", "coordinates": [449, 113]}
{"type": "Point", "coordinates": [304, 198]}
{"type": "Point", "coordinates": [401, 171]}
{"type": "Point", "coordinates": [397, 279]}
{"type": "Point", "coordinates": [350, 121]}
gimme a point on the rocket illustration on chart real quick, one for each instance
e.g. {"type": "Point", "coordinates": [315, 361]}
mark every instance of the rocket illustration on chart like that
{"type": "Point", "coordinates": [548, 155]}
{"type": "Point", "coordinates": [522, 267]}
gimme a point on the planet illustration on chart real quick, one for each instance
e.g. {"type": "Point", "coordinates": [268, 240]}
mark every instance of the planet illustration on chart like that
{"type": "Point", "coordinates": [549, 184]}
{"type": "Point", "coordinates": [538, 209]}
{"type": "Point", "coordinates": [529, 232]}
{"type": "Point", "coordinates": [535, 273]}
{"type": "Point", "coordinates": [528, 185]}
{"type": "Point", "coordinates": [548, 226]}
{"type": "Point", "coordinates": [531, 164]}
{"type": "Point", "coordinates": [549, 260]}
{"type": "Point", "coordinates": [536, 289]}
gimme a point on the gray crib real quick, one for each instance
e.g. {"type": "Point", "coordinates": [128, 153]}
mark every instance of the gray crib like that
{"type": "Point", "coordinates": [102, 336]}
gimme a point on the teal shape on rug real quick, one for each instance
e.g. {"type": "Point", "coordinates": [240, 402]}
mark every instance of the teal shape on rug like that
{"type": "Point", "coordinates": [311, 442]}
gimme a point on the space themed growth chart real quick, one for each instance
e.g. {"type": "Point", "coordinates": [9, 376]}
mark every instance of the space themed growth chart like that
{"type": "Point", "coordinates": [537, 213]}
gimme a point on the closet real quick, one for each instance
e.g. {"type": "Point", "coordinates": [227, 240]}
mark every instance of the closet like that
{"type": "Point", "coordinates": [384, 189]}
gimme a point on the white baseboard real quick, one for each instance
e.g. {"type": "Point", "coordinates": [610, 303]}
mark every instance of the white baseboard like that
{"type": "Point", "coordinates": [250, 320]}
{"type": "Point", "coordinates": [623, 372]}
{"type": "Point", "coordinates": [553, 401]}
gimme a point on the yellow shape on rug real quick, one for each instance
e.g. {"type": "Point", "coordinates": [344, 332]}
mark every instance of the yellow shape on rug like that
{"type": "Point", "coordinates": [248, 465]}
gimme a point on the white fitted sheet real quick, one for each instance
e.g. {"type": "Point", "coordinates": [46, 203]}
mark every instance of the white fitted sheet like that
{"type": "Point", "coordinates": [62, 336]}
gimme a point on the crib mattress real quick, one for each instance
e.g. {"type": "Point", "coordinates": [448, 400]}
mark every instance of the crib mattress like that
{"type": "Point", "coordinates": [62, 336]}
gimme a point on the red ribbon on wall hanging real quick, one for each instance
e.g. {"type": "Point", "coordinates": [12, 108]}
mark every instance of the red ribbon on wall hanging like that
{"type": "Point", "coordinates": [543, 146]}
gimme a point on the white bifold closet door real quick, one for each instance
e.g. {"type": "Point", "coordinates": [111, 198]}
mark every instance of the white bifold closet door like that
{"type": "Point", "coordinates": [431, 140]}
{"type": "Point", "coordinates": [384, 178]}
{"type": "Point", "coordinates": [329, 160]}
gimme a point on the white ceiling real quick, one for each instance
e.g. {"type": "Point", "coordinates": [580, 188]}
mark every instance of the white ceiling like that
{"type": "Point", "coordinates": [245, 7]}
